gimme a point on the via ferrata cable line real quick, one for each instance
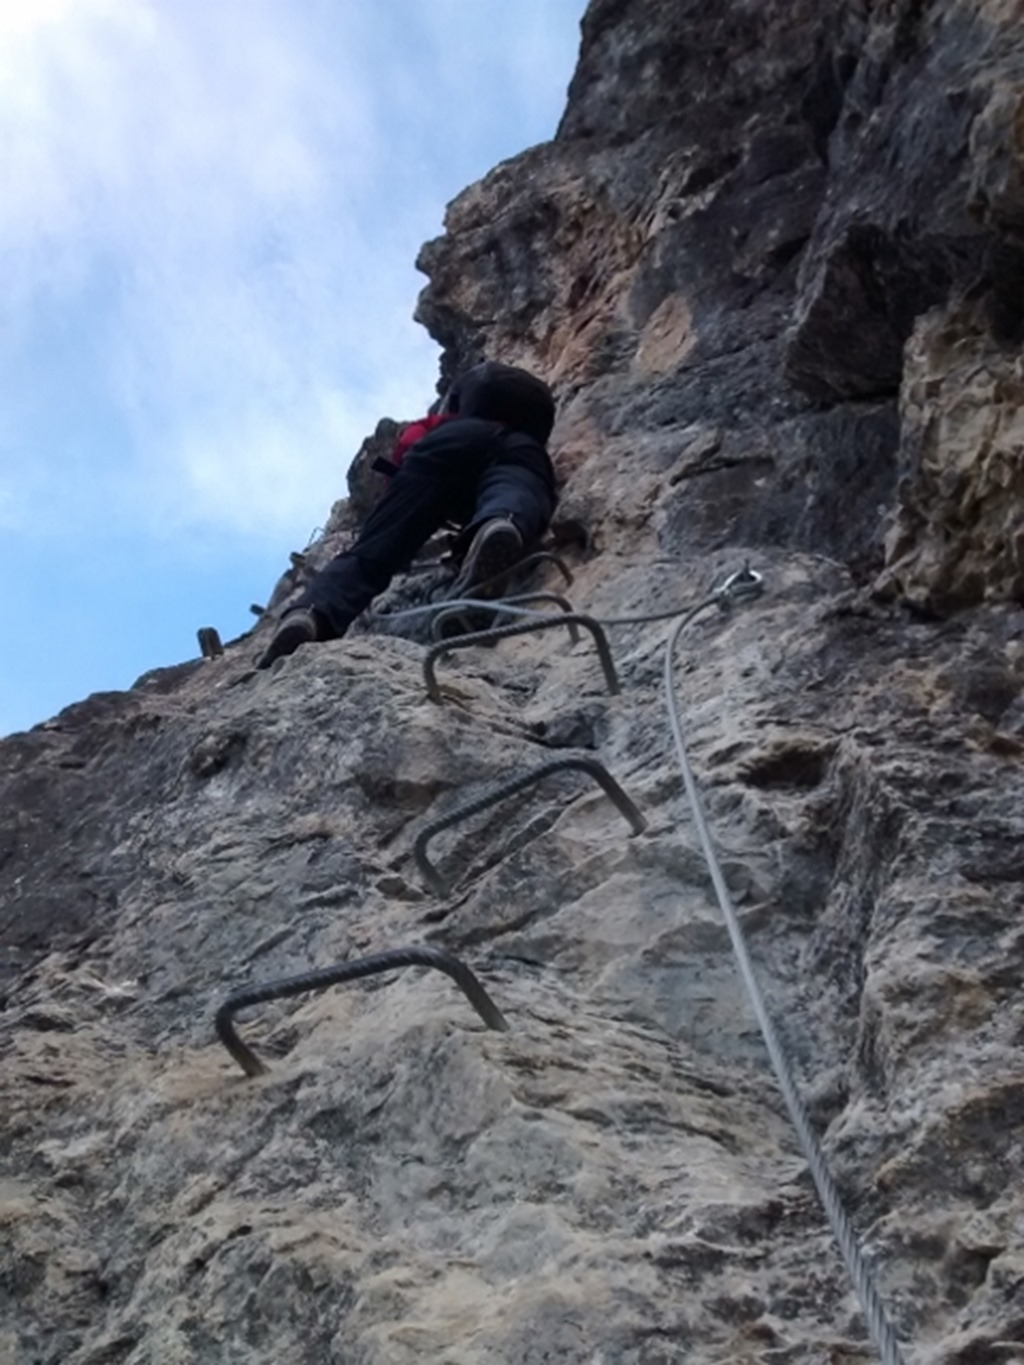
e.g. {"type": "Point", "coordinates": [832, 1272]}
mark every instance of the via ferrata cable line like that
{"type": "Point", "coordinates": [747, 584]}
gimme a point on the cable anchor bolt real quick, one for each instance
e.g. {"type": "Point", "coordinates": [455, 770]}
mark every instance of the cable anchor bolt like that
{"type": "Point", "coordinates": [744, 583]}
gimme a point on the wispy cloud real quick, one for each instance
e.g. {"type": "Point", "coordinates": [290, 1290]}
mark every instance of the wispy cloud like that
{"type": "Point", "coordinates": [210, 213]}
{"type": "Point", "coordinates": [189, 190]}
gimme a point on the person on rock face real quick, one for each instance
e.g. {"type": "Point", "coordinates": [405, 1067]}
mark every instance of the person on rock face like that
{"type": "Point", "coordinates": [481, 462]}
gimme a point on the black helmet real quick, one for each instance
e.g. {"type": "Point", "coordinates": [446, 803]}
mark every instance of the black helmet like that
{"type": "Point", "coordinates": [504, 393]}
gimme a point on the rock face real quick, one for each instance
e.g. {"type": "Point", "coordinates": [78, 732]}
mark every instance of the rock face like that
{"type": "Point", "coordinates": [958, 538]}
{"type": "Point", "coordinates": [771, 264]}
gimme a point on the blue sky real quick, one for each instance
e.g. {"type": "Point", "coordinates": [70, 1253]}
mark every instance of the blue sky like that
{"type": "Point", "coordinates": [210, 213]}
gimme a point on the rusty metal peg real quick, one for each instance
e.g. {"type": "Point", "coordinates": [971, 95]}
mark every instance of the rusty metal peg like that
{"type": "Point", "coordinates": [463, 977]}
{"type": "Point", "coordinates": [209, 642]}
{"type": "Point", "coordinates": [521, 628]}
{"type": "Point", "coordinates": [597, 771]}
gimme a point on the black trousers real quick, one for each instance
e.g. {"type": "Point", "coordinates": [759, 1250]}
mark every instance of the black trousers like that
{"type": "Point", "coordinates": [467, 471]}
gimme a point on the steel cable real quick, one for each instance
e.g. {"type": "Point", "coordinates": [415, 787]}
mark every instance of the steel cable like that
{"type": "Point", "coordinates": [529, 562]}
{"type": "Point", "coordinates": [510, 606]}
{"type": "Point", "coordinates": [880, 1327]}
{"type": "Point", "coordinates": [507, 604]}
{"type": "Point", "coordinates": [416, 956]}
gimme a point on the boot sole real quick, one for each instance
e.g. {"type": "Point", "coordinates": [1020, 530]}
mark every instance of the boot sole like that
{"type": "Point", "coordinates": [287, 639]}
{"type": "Point", "coordinates": [497, 553]}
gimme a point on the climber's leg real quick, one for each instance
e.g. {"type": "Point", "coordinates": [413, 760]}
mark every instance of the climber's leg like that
{"type": "Point", "coordinates": [427, 491]}
{"type": "Point", "coordinates": [512, 508]}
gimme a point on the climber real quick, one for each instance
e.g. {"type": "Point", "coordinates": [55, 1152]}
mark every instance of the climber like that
{"type": "Point", "coordinates": [480, 462]}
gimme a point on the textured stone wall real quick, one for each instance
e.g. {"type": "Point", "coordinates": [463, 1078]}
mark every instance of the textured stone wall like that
{"type": "Point", "coordinates": [770, 264]}
{"type": "Point", "coordinates": [958, 537]}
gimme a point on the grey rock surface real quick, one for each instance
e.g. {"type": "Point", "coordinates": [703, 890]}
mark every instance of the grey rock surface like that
{"type": "Point", "coordinates": [614, 1179]}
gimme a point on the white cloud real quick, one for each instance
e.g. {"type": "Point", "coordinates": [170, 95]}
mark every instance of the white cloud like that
{"type": "Point", "coordinates": [210, 216]}
{"type": "Point", "coordinates": [192, 185]}
{"type": "Point", "coordinates": [209, 213]}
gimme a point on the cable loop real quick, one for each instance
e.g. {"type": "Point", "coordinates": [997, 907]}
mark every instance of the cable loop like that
{"type": "Point", "coordinates": [744, 584]}
{"type": "Point", "coordinates": [504, 606]}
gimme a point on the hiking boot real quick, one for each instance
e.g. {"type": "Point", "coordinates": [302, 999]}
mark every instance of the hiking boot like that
{"type": "Point", "coordinates": [301, 626]}
{"type": "Point", "coordinates": [495, 548]}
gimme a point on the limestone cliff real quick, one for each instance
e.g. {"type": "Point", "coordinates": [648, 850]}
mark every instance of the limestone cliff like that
{"type": "Point", "coordinates": [773, 263]}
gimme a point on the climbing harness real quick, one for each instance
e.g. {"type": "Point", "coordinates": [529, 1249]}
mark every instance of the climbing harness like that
{"type": "Point", "coordinates": [746, 584]}
{"type": "Point", "coordinates": [541, 621]}
{"type": "Point", "coordinates": [317, 980]}
{"type": "Point", "coordinates": [591, 766]}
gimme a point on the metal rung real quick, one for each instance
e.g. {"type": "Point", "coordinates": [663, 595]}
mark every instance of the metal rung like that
{"type": "Point", "coordinates": [596, 770]}
{"type": "Point", "coordinates": [482, 637]}
{"type": "Point", "coordinates": [317, 980]}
